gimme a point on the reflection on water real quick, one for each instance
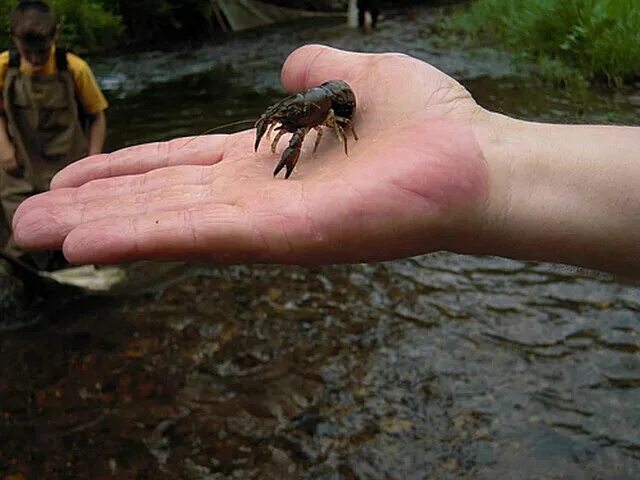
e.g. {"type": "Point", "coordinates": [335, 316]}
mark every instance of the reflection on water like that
{"type": "Point", "coordinates": [436, 367]}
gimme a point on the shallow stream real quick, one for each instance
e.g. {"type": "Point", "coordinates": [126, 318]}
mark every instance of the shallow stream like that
{"type": "Point", "coordinates": [435, 367]}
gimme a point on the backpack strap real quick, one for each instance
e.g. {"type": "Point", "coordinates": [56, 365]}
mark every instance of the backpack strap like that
{"type": "Point", "coordinates": [61, 59]}
{"type": "Point", "coordinates": [62, 64]}
{"type": "Point", "coordinates": [14, 58]}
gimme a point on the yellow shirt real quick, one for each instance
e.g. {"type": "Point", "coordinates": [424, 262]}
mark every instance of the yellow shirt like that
{"type": "Point", "coordinates": [87, 89]}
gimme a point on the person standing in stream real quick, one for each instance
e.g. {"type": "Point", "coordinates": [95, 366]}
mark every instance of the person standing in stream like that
{"type": "Point", "coordinates": [51, 112]}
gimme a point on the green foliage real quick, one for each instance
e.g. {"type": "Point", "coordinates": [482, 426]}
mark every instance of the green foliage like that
{"type": "Point", "coordinates": [87, 25]}
{"type": "Point", "coordinates": [5, 8]}
{"type": "Point", "coordinates": [592, 39]}
{"type": "Point", "coordinates": [93, 25]}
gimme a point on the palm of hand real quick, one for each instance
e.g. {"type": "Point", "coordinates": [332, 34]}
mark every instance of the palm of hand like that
{"type": "Point", "coordinates": [415, 171]}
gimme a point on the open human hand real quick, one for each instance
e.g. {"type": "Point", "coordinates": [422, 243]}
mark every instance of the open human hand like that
{"type": "Point", "coordinates": [415, 182]}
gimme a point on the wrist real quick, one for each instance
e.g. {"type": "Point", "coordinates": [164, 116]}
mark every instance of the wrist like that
{"type": "Point", "coordinates": [561, 193]}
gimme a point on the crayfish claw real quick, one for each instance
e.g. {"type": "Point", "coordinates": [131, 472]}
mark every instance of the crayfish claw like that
{"type": "Point", "coordinates": [261, 128]}
{"type": "Point", "coordinates": [280, 166]}
{"type": "Point", "coordinates": [289, 159]}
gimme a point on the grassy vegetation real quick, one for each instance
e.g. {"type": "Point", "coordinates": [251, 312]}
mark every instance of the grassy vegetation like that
{"type": "Point", "coordinates": [86, 25]}
{"type": "Point", "coordinates": [572, 40]}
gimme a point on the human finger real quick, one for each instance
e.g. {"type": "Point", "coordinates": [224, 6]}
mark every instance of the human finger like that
{"type": "Point", "coordinates": [112, 192]}
{"type": "Point", "coordinates": [215, 233]}
{"type": "Point", "coordinates": [374, 79]}
{"type": "Point", "coordinates": [45, 223]}
{"type": "Point", "coordinates": [204, 150]}
{"type": "Point", "coordinates": [311, 65]}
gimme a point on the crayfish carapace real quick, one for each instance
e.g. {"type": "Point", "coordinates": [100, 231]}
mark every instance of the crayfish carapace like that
{"type": "Point", "coordinates": [332, 105]}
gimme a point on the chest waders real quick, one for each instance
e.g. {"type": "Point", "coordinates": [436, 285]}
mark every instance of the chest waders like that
{"type": "Point", "coordinates": [44, 125]}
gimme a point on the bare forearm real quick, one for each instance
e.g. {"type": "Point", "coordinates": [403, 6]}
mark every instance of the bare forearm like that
{"type": "Point", "coordinates": [6, 145]}
{"type": "Point", "coordinates": [97, 133]}
{"type": "Point", "coordinates": [8, 159]}
{"type": "Point", "coordinates": [563, 193]}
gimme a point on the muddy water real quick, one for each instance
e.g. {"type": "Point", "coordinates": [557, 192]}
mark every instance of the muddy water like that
{"type": "Point", "coordinates": [439, 367]}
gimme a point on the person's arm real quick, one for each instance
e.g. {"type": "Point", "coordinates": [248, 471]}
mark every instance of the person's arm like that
{"type": "Point", "coordinates": [97, 132]}
{"type": "Point", "coordinates": [562, 193]}
{"type": "Point", "coordinates": [431, 171]}
{"type": "Point", "coordinates": [8, 159]}
{"type": "Point", "coordinates": [92, 101]}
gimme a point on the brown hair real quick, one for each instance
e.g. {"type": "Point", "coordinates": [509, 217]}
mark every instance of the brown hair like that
{"type": "Point", "coordinates": [33, 20]}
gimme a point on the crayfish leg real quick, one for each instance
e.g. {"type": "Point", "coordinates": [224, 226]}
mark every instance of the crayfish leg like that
{"type": "Point", "coordinates": [318, 137]}
{"type": "Point", "coordinates": [341, 136]}
{"type": "Point", "coordinates": [274, 144]}
{"type": "Point", "coordinates": [346, 121]}
{"type": "Point", "coordinates": [332, 121]}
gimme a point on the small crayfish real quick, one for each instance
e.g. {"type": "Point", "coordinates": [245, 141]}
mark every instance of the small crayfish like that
{"type": "Point", "coordinates": [332, 105]}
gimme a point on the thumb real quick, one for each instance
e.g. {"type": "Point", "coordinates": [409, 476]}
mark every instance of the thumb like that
{"type": "Point", "coordinates": [311, 65]}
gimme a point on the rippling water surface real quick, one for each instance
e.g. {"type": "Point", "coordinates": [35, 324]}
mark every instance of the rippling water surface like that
{"type": "Point", "coordinates": [438, 367]}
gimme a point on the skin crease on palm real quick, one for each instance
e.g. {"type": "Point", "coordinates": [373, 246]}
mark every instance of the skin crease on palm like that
{"type": "Point", "coordinates": [414, 182]}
